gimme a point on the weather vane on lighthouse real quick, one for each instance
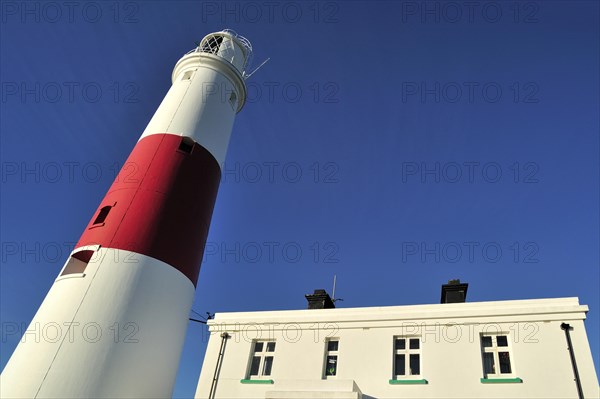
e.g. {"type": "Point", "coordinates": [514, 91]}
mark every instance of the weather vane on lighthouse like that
{"type": "Point", "coordinates": [124, 295]}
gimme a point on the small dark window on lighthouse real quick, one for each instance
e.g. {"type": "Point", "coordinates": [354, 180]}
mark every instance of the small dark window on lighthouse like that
{"type": "Point", "coordinates": [77, 262]}
{"type": "Point", "coordinates": [186, 145]}
{"type": "Point", "coordinates": [102, 215]}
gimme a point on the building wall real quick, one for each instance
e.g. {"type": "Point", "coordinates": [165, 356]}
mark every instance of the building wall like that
{"type": "Point", "coordinates": [451, 359]}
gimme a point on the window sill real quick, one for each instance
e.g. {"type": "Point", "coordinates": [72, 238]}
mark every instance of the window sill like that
{"type": "Point", "coordinates": [408, 382]}
{"type": "Point", "coordinates": [501, 380]}
{"type": "Point", "coordinates": [70, 275]}
{"type": "Point", "coordinates": [96, 225]}
{"type": "Point", "coordinates": [257, 381]}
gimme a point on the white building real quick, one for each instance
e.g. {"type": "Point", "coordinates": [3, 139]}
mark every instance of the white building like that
{"type": "Point", "coordinates": [501, 349]}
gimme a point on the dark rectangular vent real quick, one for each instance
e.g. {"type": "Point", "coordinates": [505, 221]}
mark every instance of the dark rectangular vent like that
{"type": "Point", "coordinates": [186, 145]}
{"type": "Point", "coordinates": [102, 215]}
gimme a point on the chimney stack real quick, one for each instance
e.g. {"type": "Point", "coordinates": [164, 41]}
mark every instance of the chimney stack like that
{"type": "Point", "coordinates": [454, 292]}
{"type": "Point", "coordinates": [320, 299]}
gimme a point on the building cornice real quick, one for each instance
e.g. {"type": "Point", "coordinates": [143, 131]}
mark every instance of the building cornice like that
{"type": "Point", "coordinates": [529, 310]}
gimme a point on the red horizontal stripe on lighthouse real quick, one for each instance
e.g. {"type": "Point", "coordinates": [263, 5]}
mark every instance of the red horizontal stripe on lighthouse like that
{"type": "Point", "coordinates": [160, 204]}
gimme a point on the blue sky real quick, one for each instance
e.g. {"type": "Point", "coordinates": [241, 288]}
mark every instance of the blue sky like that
{"type": "Point", "coordinates": [394, 145]}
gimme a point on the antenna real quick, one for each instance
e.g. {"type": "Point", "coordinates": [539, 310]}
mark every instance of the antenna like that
{"type": "Point", "coordinates": [333, 293]}
{"type": "Point", "coordinates": [246, 76]}
{"type": "Point", "coordinates": [333, 298]}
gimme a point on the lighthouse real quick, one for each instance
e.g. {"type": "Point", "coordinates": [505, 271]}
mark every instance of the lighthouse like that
{"type": "Point", "coordinates": [113, 323]}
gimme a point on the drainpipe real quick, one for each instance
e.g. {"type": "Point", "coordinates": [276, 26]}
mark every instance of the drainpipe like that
{"type": "Point", "coordinates": [567, 327]}
{"type": "Point", "coordinates": [213, 385]}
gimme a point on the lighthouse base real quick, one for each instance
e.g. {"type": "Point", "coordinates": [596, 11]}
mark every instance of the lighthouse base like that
{"type": "Point", "coordinates": [111, 326]}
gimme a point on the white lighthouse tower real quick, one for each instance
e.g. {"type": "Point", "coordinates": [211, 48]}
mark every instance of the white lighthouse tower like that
{"type": "Point", "coordinates": [113, 323]}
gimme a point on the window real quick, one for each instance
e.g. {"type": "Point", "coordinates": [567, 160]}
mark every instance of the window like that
{"type": "Point", "coordinates": [187, 75]}
{"type": "Point", "coordinates": [186, 145]}
{"type": "Point", "coordinates": [77, 262]}
{"type": "Point", "coordinates": [331, 357]}
{"type": "Point", "coordinates": [407, 357]}
{"type": "Point", "coordinates": [102, 215]}
{"type": "Point", "coordinates": [496, 355]}
{"type": "Point", "coordinates": [261, 361]}
{"type": "Point", "coordinates": [212, 44]}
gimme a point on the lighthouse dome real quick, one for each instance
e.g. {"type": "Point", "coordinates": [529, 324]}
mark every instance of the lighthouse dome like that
{"type": "Point", "coordinates": [227, 44]}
